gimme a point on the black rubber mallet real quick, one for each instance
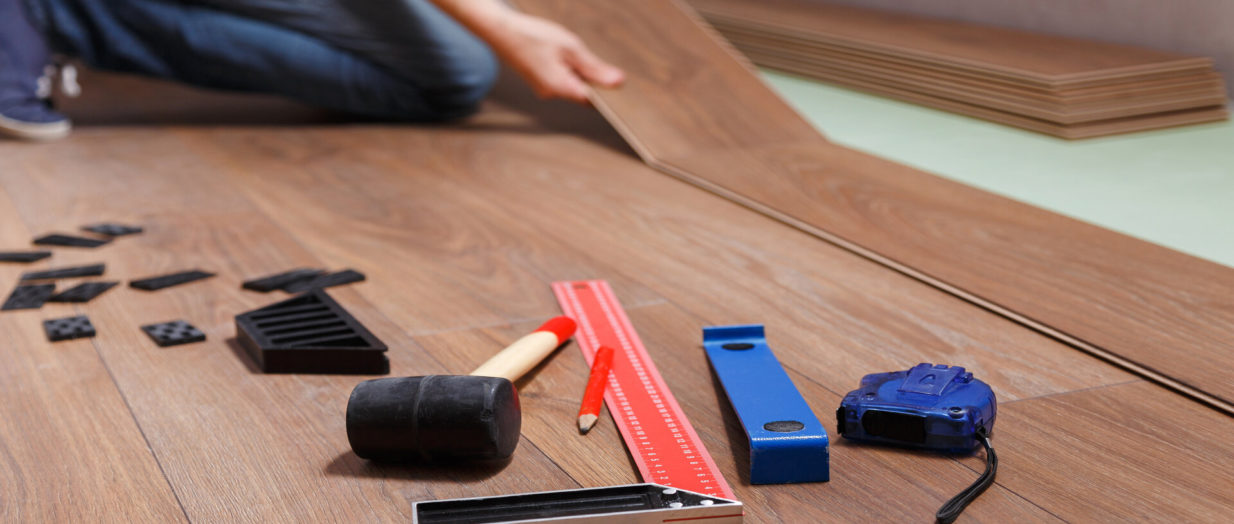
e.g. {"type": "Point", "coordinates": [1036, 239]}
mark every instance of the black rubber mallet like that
{"type": "Point", "coordinates": [440, 418]}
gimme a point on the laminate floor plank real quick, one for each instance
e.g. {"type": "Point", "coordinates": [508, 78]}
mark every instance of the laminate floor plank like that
{"type": "Point", "coordinates": [1126, 90]}
{"type": "Point", "coordinates": [701, 250]}
{"type": "Point", "coordinates": [694, 80]}
{"type": "Point", "coordinates": [1152, 306]}
{"type": "Point", "coordinates": [802, 42]}
{"type": "Point", "coordinates": [1090, 129]}
{"type": "Point", "coordinates": [236, 444]}
{"type": "Point", "coordinates": [1159, 312]}
{"type": "Point", "coordinates": [963, 68]}
{"type": "Point", "coordinates": [69, 447]}
{"type": "Point", "coordinates": [1025, 56]}
{"type": "Point", "coordinates": [1135, 440]}
{"type": "Point", "coordinates": [456, 264]}
{"type": "Point", "coordinates": [1208, 94]}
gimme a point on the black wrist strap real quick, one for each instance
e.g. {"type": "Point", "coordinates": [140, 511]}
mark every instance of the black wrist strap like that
{"type": "Point", "coordinates": [948, 513]}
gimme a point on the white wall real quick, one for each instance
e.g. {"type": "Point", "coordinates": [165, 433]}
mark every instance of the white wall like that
{"type": "Point", "coordinates": [1202, 27]}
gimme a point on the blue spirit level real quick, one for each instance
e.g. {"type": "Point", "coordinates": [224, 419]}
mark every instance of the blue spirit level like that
{"type": "Point", "coordinates": [787, 442]}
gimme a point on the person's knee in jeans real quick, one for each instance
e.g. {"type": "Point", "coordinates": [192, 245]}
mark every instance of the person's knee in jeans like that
{"type": "Point", "coordinates": [463, 85]}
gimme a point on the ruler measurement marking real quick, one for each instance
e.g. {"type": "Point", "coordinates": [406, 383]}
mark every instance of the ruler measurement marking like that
{"type": "Point", "coordinates": [671, 454]}
{"type": "Point", "coordinates": [628, 423]}
{"type": "Point", "coordinates": [691, 437]}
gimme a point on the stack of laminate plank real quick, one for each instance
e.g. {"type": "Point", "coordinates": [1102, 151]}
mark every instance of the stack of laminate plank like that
{"type": "Point", "coordinates": [1059, 86]}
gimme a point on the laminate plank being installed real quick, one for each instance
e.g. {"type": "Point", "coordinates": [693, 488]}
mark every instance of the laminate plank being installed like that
{"type": "Point", "coordinates": [689, 81]}
{"type": "Point", "coordinates": [1158, 312]}
{"type": "Point", "coordinates": [69, 448]}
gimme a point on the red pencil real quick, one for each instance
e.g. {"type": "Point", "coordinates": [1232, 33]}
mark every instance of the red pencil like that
{"type": "Point", "coordinates": [589, 413]}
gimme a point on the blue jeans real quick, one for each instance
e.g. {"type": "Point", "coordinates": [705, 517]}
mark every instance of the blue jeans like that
{"type": "Point", "coordinates": [389, 59]}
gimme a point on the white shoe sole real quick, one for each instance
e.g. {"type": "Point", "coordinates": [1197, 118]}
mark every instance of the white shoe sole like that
{"type": "Point", "coordinates": [33, 131]}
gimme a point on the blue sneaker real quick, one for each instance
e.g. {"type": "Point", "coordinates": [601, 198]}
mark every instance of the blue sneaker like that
{"type": "Point", "coordinates": [25, 86]}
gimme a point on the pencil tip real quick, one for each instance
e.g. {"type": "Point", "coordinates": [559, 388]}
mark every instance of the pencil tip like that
{"type": "Point", "coordinates": [585, 423]}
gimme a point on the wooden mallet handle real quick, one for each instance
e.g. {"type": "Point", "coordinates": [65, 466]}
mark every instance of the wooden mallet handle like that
{"type": "Point", "coordinates": [518, 358]}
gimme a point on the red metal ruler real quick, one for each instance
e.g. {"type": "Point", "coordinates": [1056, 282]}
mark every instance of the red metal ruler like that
{"type": "Point", "coordinates": [657, 434]}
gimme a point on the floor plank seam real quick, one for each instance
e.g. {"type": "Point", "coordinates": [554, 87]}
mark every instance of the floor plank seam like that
{"type": "Point", "coordinates": [1081, 390]}
{"type": "Point", "coordinates": [576, 482]}
{"type": "Point", "coordinates": [956, 460]}
{"type": "Point", "coordinates": [1216, 403]}
{"type": "Point", "coordinates": [136, 422]}
{"type": "Point", "coordinates": [257, 209]}
{"type": "Point", "coordinates": [1013, 492]}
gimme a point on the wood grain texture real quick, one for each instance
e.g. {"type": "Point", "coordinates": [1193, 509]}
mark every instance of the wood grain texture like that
{"type": "Point", "coordinates": [1132, 438]}
{"type": "Point", "coordinates": [953, 65]}
{"type": "Point", "coordinates": [1159, 312]}
{"type": "Point", "coordinates": [69, 448]}
{"type": "Point", "coordinates": [1089, 129]}
{"type": "Point", "coordinates": [867, 50]}
{"type": "Point", "coordinates": [237, 445]}
{"type": "Point", "coordinates": [1208, 91]}
{"type": "Point", "coordinates": [1143, 302]}
{"type": "Point", "coordinates": [870, 61]}
{"type": "Point", "coordinates": [597, 228]}
{"type": "Point", "coordinates": [678, 73]}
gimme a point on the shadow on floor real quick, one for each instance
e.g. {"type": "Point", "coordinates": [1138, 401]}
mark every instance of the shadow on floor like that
{"type": "Point", "coordinates": [110, 99]}
{"type": "Point", "coordinates": [348, 464]}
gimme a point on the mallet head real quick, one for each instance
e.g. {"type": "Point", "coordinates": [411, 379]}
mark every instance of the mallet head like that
{"type": "Point", "coordinates": [434, 418]}
{"type": "Point", "coordinates": [450, 417]}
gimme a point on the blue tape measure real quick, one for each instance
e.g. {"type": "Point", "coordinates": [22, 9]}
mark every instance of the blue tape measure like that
{"type": "Point", "coordinates": [787, 442]}
{"type": "Point", "coordinates": [929, 406]}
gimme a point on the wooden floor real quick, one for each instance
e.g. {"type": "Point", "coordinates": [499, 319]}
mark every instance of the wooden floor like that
{"type": "Point", "coordinates": [1164, 314]}
{"type": "Point", "coordinates": [460, 230]}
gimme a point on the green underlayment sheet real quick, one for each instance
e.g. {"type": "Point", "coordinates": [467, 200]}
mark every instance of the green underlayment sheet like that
{"type": "Point", "coordinates": [1174, 187]}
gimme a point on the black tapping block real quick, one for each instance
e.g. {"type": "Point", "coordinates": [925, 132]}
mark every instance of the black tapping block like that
{"type": "Point", "coordinates": [173, 333]}
{"type": "Point", "coordinates": [165, 281]}
{"type": "Point", "coordinates": [434, 418]}
{"type": "Point", "coordinates": [68, 328]}
{"type": "Point", "coordinates": [23, 257]}
{"type": "Point", "coordinates": [29, 297]}
{"type": "Point", "coordinates": [270, 283]}
{"type": "Point", "coordinates": [310, 333]}
{"type": "Point", "coordinates": [345, 276]}
{"type": "Point", "coordinates": [92, 270]}
{"type": "Point", "coordinates": [113, 230]}
{"type": "Point", "coordinates": [56, 239]}
{"type": "Point", "coordinates": [83, 292]}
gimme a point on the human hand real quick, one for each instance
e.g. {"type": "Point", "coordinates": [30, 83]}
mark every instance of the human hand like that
{"type": "Point", "coordinates": [553, 60]}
